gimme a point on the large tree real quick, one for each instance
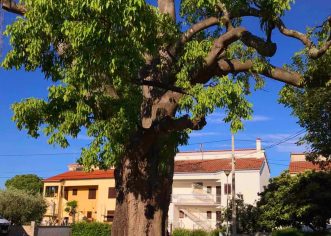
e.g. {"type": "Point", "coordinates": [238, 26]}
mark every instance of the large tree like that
{"type": "Point", "coordinates": [21, 207]}
{"type": "Point", "coordinates": [30, 183]}
{"type": "Point", "coordinates": [295, 201]}
{"type": "Point", "coordinates": [138, 78]}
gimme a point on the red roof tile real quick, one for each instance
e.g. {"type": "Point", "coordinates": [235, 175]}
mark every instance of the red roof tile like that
{"type": "Point", "coordinates": [77, 175]}
{"type": "Point", "coordinates": [216, 165]}
{"type": "Point", "coordinates": [301, 166]}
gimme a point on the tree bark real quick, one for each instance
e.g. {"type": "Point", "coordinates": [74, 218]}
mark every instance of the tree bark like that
{"type": "Point", "coordinates": [144, 185]}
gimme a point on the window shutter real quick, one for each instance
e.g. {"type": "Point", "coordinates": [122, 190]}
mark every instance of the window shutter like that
{"type": "Point", "coordinates": [111, 192]}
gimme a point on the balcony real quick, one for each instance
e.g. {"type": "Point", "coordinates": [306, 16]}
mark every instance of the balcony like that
{"type": "Point", "coordinates": [196, 199]}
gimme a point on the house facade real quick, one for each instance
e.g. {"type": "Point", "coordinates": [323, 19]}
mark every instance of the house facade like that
{"type": "Point", "coordinates": [202, 185]}
{"type": "Point", "coordinates": [201, 188]}
{"type": "Point", "coordinates": [94, 192]}
{"type": "Point", "coordinates": [298, 164]}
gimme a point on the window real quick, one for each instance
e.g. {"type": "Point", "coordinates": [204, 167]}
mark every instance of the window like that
{"type": "Point", "coordinates": [227, 188]}
{"type": "Point", "coordinates": [198, 185]}
{"type": "Point", "coordinates": [74, 192]}
{"type": "Point", "coordinates": [111, 192]}
{"type": "Point", "coordinates": [89, 215]}
{"type": "Point", "coordinates": [181, 215]}
{"type": "Point", "coordinates": [218, 216]}
{"type": "Point", "coordinates": [218, 194]}
{"type": "Point", "coordinates": [208, 189]}
{"type": "Point", "coordinates": [208, 215]}
{"type": "Point", "coordinates": [110, 216]}
{"type": "Point", "coordinates": [92, 193]}
{"type": "Point", "coordinates": [66, 194]}
{"type": "Point", "coordinates": [51, 191]}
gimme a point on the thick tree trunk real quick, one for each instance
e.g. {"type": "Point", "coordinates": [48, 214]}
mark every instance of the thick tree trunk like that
{"type": "Point", "coordinates": [144, 186]}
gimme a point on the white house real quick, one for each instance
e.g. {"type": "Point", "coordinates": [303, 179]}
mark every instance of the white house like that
{"type": "Point", "coordinates": [201, 187]}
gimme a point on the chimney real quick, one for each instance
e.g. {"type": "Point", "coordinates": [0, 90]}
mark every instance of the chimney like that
{"type": "Point", "coordinates": [75, 167]}
{"type": "Point", "coordinates": [258, 144]}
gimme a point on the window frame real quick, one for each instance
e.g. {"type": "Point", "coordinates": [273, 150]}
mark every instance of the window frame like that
{"type": "Point", "coordinates": [181, 214]}
{"type": "Point", "coordinates": [209, 189]}
{"type": "Point", "coordinates": [51, 191]}
{"type": "Point", "coordinates": [209, 215]}
{"type": "Point", "coordinates": [111, 192]}
{"type": "Point", "coordinates": [110, 216]}
{"type": "Point", "coordinates": [227, 189]}
{"type": "Point", "coordinates": [90, 195]}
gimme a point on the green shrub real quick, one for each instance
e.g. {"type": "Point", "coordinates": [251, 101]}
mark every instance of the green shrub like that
{"type": "Point", "coordinates": [296, 232]}
{"type": "Point", "coordinates": [91, 229]}
{"type": "Point", "coordinates": [197, 232]}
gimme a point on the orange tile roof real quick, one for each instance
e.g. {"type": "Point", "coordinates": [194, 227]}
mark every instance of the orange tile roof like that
{"type": "Point", "coordinates": [302, 166]}
{"type": "Point", "coordinates": [216, 165]}
{"type": "Point", "coordinates": [77, 175]}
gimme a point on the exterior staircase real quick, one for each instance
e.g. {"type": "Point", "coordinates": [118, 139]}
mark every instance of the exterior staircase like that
{"type": "Point", "coordinates": [198, 220]}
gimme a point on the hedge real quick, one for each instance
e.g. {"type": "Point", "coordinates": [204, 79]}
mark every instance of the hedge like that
{"type": "Point", "coordinates": [295, 232]}
{"type": "Point", "coordinates": [91, 229]}
{"type": "Point", "coordinates": [197, 232]}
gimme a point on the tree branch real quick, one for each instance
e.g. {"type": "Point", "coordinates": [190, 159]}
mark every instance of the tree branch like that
{"type": "Point", "coordinates": [169, 124]}
{"type": "Point", "coordinates": [11, 6]}
{"type": "Point", "coordinates": [206, 23]}
{"type": "Point", "coordinates": [313, 52]}
{"type": "Point", "coordinates": [167, 7]}
{"type": "Point", "coordinates": [162, 85]}
{"type": "Point", "coordinates": [198, 27]}
{"type": "Point", "coordinates": [236, 66]}
{"type": "Point", "coordinates": [264, 48]}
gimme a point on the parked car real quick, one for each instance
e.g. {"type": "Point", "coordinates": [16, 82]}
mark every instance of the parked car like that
{"type": "Point", "coordinates": [4, 226]}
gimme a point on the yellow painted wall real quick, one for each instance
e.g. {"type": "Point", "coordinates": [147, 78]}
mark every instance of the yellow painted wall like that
{"type": "Point", "coordinates": [98, 206]}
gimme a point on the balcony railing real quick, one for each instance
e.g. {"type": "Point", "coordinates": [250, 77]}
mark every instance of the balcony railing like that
{"type": "Point", "coordinates": [51, 211]}
{"type": "Point", "coordinates": [196, 199]}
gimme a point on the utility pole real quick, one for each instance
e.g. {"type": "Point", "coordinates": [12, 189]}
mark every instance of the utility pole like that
{"type": "Point", "coordinates": [234, 210]}
{"type": "Point", "coordinates": [201, 150]}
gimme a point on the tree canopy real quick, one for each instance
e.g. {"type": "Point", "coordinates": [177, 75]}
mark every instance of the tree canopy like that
{"type": "Point", "coordinates": [100, 53]}
{"type": "Point", "coordinates": [30, 183]}
{"type": "Point", "coordinates": [294, 201]}
{"type": "Point", "coordinates": [311, 103]}
{"type": "Point", "coordinates": [139, 77]}
{"type": "Point", "coordinates": [21, 207]}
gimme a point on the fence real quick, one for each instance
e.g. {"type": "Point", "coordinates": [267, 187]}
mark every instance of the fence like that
{"type": "Point", "coordinates": [35, 230]}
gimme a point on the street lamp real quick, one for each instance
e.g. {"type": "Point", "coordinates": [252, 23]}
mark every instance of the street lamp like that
{"type": "Point", "coordinates": [227, 173]}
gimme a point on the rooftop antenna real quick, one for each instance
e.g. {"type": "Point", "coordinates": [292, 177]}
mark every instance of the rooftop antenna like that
{"type": "Point", "coordinates": [201, 150]}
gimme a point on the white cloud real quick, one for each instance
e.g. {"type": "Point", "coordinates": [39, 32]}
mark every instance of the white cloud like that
{"type": "Point", "coordinates": [286, 146]}
{"type": "Point", "coordinates": [203, 134]}
{"type": "Point", "coordinates": [258, 118]}
{"type": "Point", "coordinates": [290, 147]}
{"type": "Point", "coordinates": [216, 118]}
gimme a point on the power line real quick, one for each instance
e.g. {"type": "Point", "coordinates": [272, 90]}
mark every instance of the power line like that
{"type": "Point", "coordinates": [284, 140]}
{"type": "Point", "coordinates": [40, 154]}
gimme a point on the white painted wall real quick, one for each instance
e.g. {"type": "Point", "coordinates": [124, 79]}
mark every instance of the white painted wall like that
{"type": "Point", "coordinates": [248, 182]}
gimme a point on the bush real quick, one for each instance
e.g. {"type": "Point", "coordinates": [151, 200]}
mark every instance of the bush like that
{"type": "Point", "coordinates": [197, 232]}
{"type": "Point", "coordinates": [296, 232]}
{"type": "Point", "coordinates": [91, 229]}
{"type": "Point", "coordinates": [21, 207]}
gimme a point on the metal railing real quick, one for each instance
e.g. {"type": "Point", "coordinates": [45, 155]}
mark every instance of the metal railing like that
{"type": "Point", "coordinates": [196, 198]}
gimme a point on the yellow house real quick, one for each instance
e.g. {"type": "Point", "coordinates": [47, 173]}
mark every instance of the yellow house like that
{"type": "Point", "coordinates": [94, 192]}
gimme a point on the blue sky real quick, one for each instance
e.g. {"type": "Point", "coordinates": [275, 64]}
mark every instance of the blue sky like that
{"type": "Point", "coordinates": [20, 154]}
